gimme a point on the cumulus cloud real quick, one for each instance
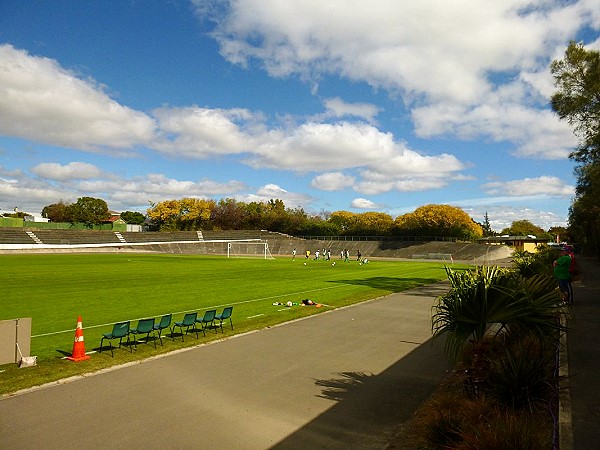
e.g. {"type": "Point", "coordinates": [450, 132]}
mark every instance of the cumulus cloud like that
{"type": "Point", "coordinates": [398, 45]}
{"type": "Point", "coordinates": [135, 193]}
{"type": "Point", "coordinates": [70, 171]}
{"type": "Point", "coordinates": [503, 116]}
{"type": "Point", "coordinates": [41, 101]}
{"type": "Point", "coordinates": [544, 185]}
{"type": "Point", "coordinates": [158, 187]}
{"type": "Point", "coordinates": [363, 203]}
{"type": "Point", "coordinates": [322, 147]}
{"type": "Point", "coordinates": [274, 191]}
{"type": "Point", "coordinates": [46, 103]}
{"type": "Point", "coordinates": [201, 132]}
{"type": "Point", "coordinates": [332, 181]}
{"type": "Point", "coordinates": [502, 216]}
{"type": "Point", "coordinates": [17, 189]}
{"type": "Point", "coordinates": [458, 82]}
{"type": "Point", "coordinates": [336, 107]}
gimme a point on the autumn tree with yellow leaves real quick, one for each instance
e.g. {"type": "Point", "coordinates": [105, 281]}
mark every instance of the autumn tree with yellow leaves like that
{"type": "Point", "coordinates": [438, 220]}
{"type": "Point", "coordinates": [183, 214]}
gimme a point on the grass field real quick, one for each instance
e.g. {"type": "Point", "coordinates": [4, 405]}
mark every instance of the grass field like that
{"type": "Point", "coordinates": [55, 289]}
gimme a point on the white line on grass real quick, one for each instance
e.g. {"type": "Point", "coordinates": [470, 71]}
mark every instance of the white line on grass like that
{"type": "Point", "coordinates": [192, 310]}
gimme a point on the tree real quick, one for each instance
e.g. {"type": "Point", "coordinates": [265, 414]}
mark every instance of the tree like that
{"type": "Point", "coordinates": [577, 100]}
{"type": "Point", "coordinates": [229, 214]}
{"type": "Point", "coordinates": [319, 227]}
{"type": "Point", "coordinates": [577, 77]}
{"type": "Point", "coordinates": [133, 217]}
{"type": "Point", "coordinates": [88, 210]}
{"type": "Point", "coordinates": [184, 214]}
{"type": "Point", "coordinates": [486, 227]}
{"type": "Point", "coordinates": [56, 212]}
{"type": "Point", "coordinates": [560, 234]}
{"type": "Point", "coordinates": [438, 220]}
{"type": "Point", "coordinates": [523, 228]}
{"type": "Point", "coordinates": [584, 214]}
{"type": "Point", "coordinates": [373, 224]}
{"type": "Point", "coordinates": [346, 221]}
{"type": "Point", "coordinates": [16, 214]}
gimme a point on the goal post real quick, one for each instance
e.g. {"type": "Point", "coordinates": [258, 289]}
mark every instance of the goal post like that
{"type": "Point", "coordinates": [246, 249]}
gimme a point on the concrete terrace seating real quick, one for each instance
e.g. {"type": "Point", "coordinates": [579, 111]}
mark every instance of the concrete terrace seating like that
{"type": "Point", "coordinates": [70, 237]}
{"type": "Point", "coordinates": [231, 235]}
{"type": "Point", "coordinates": [215, 243]}
{"type": "Point", "coordinates": [14, 236]}
{"type": "Point", "coordinates": [159, 236]}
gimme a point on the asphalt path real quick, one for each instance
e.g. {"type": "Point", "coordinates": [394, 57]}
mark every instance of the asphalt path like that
{"type": "Point", "coordinates": [584, 357]}
{"type": "Point", "coordinates": [343, 379]}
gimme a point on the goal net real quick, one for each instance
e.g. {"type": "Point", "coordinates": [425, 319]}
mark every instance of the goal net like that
{"type": "Point", "coordinates": [249, 250]}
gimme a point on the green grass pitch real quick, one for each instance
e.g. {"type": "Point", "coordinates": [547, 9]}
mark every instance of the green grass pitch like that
{"type": "Point", "coordinates": [55, 289]}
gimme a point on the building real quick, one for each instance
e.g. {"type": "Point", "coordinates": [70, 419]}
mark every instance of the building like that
{"type": "Point", "coordinates": [528, 243]}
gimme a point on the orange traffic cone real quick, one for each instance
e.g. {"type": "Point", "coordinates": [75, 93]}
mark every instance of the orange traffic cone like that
{"type": "Point", "coordinates": [78, 345]}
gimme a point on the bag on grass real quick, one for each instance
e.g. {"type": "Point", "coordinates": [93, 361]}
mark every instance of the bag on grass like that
{"type": "Point", "coordinates": [26, 361]}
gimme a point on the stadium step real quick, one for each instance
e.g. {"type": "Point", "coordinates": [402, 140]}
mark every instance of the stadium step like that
{"type": "Point", "coordinates": [32, 235]}
{"type": "Point", "coordinates": [120, 237]}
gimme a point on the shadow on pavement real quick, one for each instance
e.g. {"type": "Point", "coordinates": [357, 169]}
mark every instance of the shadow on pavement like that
{"type": "Point", "coordinates": [370, 407]}
{"type": "Point", "coordinates": [396, 284]}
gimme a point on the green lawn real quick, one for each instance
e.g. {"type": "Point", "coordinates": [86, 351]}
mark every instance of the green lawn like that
{"type": "Point", "coordinates": [105, 288]}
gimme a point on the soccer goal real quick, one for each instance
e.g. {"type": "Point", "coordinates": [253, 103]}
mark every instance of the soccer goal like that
{"type": "Point", "coordinates": [249, 250]}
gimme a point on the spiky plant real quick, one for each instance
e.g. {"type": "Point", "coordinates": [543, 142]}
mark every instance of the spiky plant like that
{"type": "Point", "coordinates": [489, 296]}
{"type": "Point", "coordinates": [521, 373]}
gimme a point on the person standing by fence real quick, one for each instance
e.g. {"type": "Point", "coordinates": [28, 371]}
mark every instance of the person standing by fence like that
{"type": "Point", "coordinates": [562, 273]}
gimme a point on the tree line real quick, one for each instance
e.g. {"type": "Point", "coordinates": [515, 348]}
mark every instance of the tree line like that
{"type": "Point", "coordinates": [188, 214]}
{"type": "Point", "coordinates": [577, 100]}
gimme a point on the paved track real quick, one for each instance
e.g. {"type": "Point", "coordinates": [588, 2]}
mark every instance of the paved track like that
{"type": "Point", "coordinates": [584, 358]}
{"type": "Point", "coordinates": [343, 379]}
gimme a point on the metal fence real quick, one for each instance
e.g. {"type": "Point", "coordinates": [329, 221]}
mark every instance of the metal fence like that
{"type": "Point", "coordinates": [382, 238]}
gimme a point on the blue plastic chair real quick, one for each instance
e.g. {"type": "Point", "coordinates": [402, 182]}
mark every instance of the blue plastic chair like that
{"type": "Point", "coordinates": [119, 331]}
{"type": "Point", "coordinates": [189, 321]}
{"type": "Point", "coordinates": [165, 322]}
{"type": "Point", "coordinates": [207, 320]}
{"type": "Point", "coordinates": [145, 326]}
{"type": "Point", "coordinates": [226, 314]}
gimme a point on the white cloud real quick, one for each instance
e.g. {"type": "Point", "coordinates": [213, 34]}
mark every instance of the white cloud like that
{"type": "Point", "coordinates": [363, 203]}
{"type": "Point", "coordinates": [323, 147]}
{"type": "Point", "coordinates": [71, 171]}
{"type": "Point", "coordinates": [332, 181]}
{"type": "Point", "coordinates": [399, 45]}
{"type": "Point", "coordinates": [336, 107]}
{"type": "Point", "coordinates": [274, 191]}
{"type": "Point", "coordinates": [28, 194]}
{"type": "Point", "coordinates": [502, 216]}
{"type": "Point", "coordinates": [48, 104]}
{"type": "Point", "coordinates": [135, 194]}
{"type": "Point", "coordinates": [201, 132]}
{"type": "Point", "coordinates": [158, 187]}
{"type": "Point", "coordinates": [446, 59]}
{"type": "Point", "coordinates": [544, 185]}
{"type": "Point", "coordinates": [504, 116]}
{"type": "Point", "coordinates": [41, 101]}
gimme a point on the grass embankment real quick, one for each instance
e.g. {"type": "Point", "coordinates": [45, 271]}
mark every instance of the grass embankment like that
{"type": "Point", "coordinates": [106, 288]}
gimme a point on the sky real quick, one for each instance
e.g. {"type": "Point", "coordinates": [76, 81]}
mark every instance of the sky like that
{"type": "Point", "coordinates": [379, 105]}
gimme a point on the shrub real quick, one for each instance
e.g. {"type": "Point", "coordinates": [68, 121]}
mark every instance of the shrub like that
{"type": "Point", "coordinates": [521, 373]}
{"type": "Point", "coordinates": [507, 430]}
{"type": "Point", "coordinates": [446, 417]}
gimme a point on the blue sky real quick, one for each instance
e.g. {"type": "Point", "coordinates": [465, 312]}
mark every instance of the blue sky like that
{"type": "Point", "coordinates": [338, 105]}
